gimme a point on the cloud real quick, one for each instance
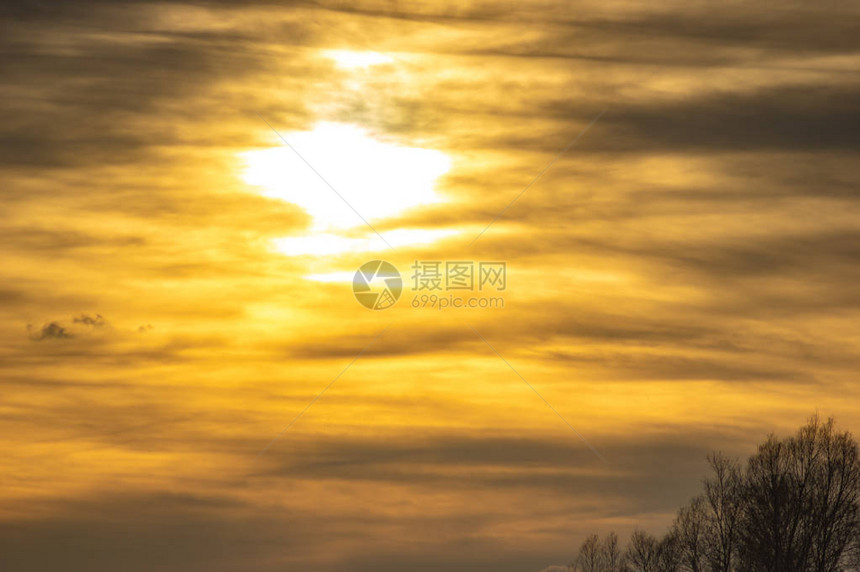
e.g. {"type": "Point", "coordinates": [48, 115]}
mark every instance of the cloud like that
{"type": "Point", "coordinates": [81, 325]}
{"type": "Point", "coordinates": [88, 320]}
{"type": "Point", "coordinates": [168, 532]}
{"type": "Point", "coordinates": [51, 330]}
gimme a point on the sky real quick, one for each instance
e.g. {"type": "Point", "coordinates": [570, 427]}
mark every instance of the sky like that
{"type": "Point", "coordinates": [189, 383]}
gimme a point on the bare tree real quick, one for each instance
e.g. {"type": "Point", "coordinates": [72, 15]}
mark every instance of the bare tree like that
{"type": "Point", "coordinates": [691, 530]}
{"type": "Point", "coordinates": [766, 502]}
{"type": "Point", "coordinates": [668, 557]}
{"type": "Point", "coordinates": [796, 508]}
{"type": "Point", "coordinates": [723, 505]}
{"type": "Point", "coordinates": [642, 552]}
{"type": "Point", "coordinates": [589, 558]}
{"type": "Point", "coordinates": [611, 555]}
{"type": "Point", "coordinates": [835, 511]}
{"type": "Point", "coordinates": [852, 556]}
{"type": "Point", "coordinates": [801, 501]}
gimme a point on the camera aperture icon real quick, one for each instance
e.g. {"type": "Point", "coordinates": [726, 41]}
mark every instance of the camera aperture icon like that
{"type": "Point", "coordinates": [377, 285]}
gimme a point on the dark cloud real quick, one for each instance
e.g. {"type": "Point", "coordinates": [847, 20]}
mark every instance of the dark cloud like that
{"type": "Point", "coordinates": [799, 117]}
{"type": "Point", "coordinates": [705, 38]}
{"type": "Point", "coordinates": [48, 331]}
{"type": "Point", "coordinates": [390, 343]}
{"type": "Point", "coordinates": [609, 345]}
{"type": "Point", "coordinates": [177, 530]}
{"type": "Point", "coordinates": [97, 321]}
{"type": "Point", "coordinates": [84, 84]}
{"type": "Point", "coordinates": [191, 532]}
{"type": "Point", "coordinates": [81, 325]}
{"type": "Point", "coordinates": [788, 118]}
{"type": "Point", "coordinates": [632, 466]}
{"type": "Point", "coordinates": [56, 240]}
{"type": "Point", "coordinates": [167, 531]}
{"type": "Point", "coordinates": [12, 296]}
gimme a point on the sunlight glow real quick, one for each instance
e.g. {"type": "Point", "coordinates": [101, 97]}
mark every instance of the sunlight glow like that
{"type": "Point", "coordinates": [378, 179]}
{"type": "Point", "coordinates": [350, 60]}
{"type": "Point", "coordinates": [326, 243]}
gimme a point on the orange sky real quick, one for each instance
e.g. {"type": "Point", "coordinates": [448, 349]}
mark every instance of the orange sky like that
{"type": "Point", "coordinates": [175, 280]}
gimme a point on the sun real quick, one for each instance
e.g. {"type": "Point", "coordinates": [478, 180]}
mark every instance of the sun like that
{"type": "Point", "coordinates": [375, 178]}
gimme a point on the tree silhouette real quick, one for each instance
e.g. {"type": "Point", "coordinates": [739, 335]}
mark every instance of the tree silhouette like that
{"type": "Point", "coordinates": [723, 512]}
{"type": "Point", "coordinates": [613, 559]}
{"type": "Point", "coordinates": [794, 508]}
{"type": "Point", "coordinates": [691, 528]}
{"type": "Point", "coordinates": [642, 552]}
{"type": "Point", "coordinates": [589, 559]}
{"type": "Point", "coordinates": [801, 502]}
